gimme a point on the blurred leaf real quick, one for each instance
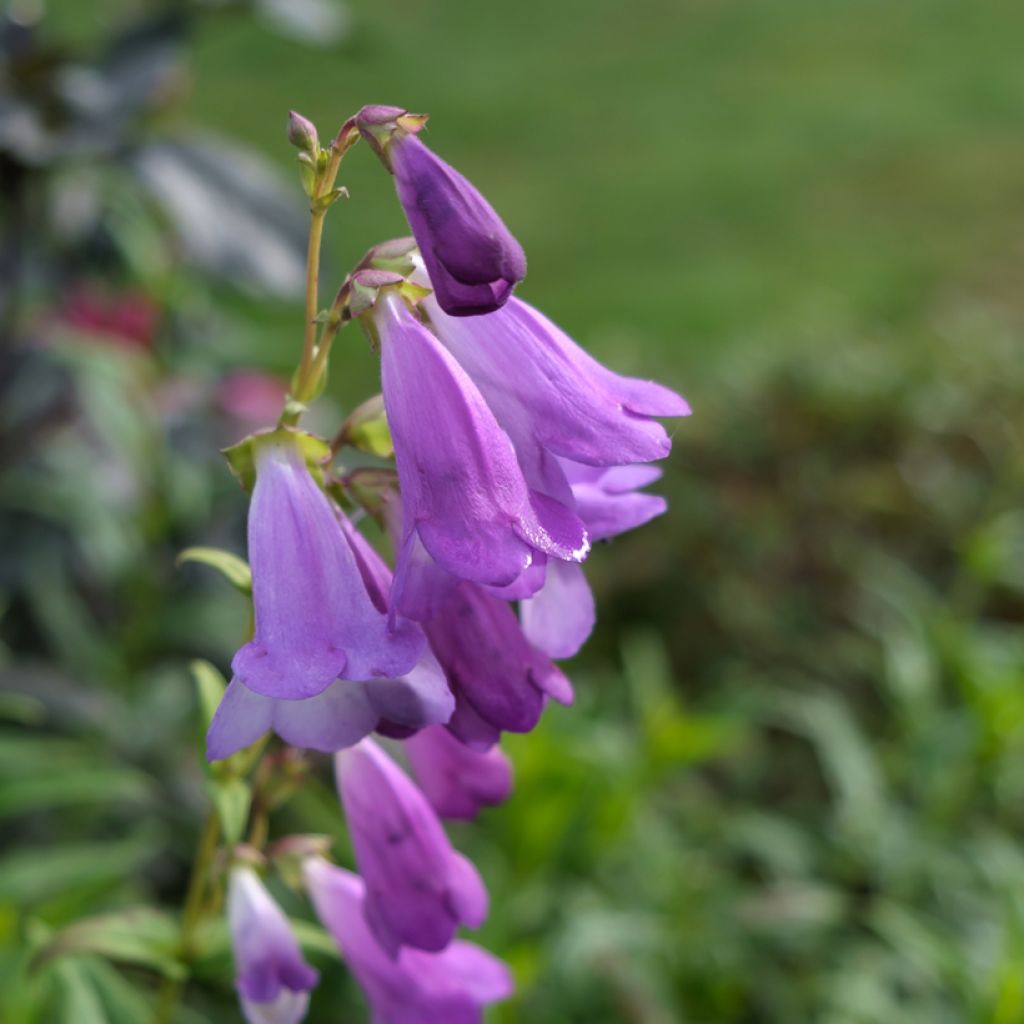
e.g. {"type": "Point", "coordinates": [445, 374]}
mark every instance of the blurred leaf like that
{"type": "Point", "coordinates": [232, 797]}
{"type": "Point", "coordinates": [63, 789]}
{"type": "Point", "coordinates": [29, 875]}
{"type": "Point", "coordinates": [80, 1002]}
{"type": "Point", "coordinates": [233, 214]}
{"type": "Point", "coordinates": [234, 569]}
{"type": "Point", "coordinates": [141, 935]}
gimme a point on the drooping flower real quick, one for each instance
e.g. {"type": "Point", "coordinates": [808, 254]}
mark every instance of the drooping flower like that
{"type": "Point", "coordinates": [456, 780]}
{"type": "Point", "coordinates": [463, 493]}
{"type": "Point", "coordinates": [543, 388]}
{"type": "Point", "coordinates": [473, 259]}
{"type": "Point", "coordinates": [314, 620]}
{"type": "Point", "coordinates": [347, 710]}
{"type": "Point", "coordinates": [413, 987]}
{"type": "Point", "coordinates": [500, 681]}
{"type": "Point", "coordinates": [272, 978]}
{"type": "Point", "coordinates": [419, 889]}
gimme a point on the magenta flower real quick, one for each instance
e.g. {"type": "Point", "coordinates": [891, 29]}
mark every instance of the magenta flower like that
{"type": "Point", "coordinates": [314, 620]}
{"type": "Point", "coordinates": [500, 681]}
{"type": "Point", "coordinates": [419, 889]}
{"type": "Point", "coordinates": [413, 987]}
{"type": "Point", "coordinates": [272, 979]}
{"type": "Point", "coordinates": [544, 388]}
{"type": "Point", "coordinates": [463, 493]}
{"type": "Point", "coordinates": [457, 781]}
{"type": "Point", "coordinates": [473, 259]}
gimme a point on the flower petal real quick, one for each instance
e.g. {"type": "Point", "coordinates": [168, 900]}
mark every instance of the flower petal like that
{"type": "Point", "coordinates": [560, 616]}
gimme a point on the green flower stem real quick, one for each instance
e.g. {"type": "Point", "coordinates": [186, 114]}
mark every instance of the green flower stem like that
{"type": "Point", "coordinates": [314, 356]}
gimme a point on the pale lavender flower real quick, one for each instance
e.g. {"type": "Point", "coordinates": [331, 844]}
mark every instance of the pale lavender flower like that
{"type": "Point", "coordinates": [456, 780]}
{"type": "Point", "coordinates": [314, 621]}
{"type": "Point", "coordinates": [419, 889]}
{"type": "Point", "coordinates": [272, 978]}
{"type": "Point", "coordinates": [473, 259]}
{"type": "Point", "coordinates": [414, 987]}
{"type": "Point", "coordinates": [500, 681]}
{"type": "Point", "coordinates": [464, 498]}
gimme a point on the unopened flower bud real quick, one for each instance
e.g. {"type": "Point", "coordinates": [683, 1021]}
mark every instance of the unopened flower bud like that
{"type": "Point", "coordinates": [302, 133]}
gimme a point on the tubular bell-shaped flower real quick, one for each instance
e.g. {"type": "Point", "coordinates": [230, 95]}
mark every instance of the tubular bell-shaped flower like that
{"type": "Point", "coordinates": [413, 987]}
{"type": "Point", "coordinates": [346, 711]}
{"type": "Point", "coordinates": [500, 681]}
{"type": "Point", "coordinates": [463, 493]}
{"type": "Point", "coordinates": [456, 780]}
{"type": "Point", "coordinates": [272, 978]}
{"type": "Point", "coordinates": [473, 259]}
{"type": "Point", "coordinates": [419, 889]}
{"type": "Point", "coordinates": [314, 620]}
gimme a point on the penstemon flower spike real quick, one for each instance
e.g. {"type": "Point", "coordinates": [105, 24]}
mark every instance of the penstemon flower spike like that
{"type": "Point", "coordinates": [514, 451]}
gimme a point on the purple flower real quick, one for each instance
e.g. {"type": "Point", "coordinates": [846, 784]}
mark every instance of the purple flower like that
{"type": "Point", "coordinates": [610, 501]}
{"type": "Point", "coordinates": [272, 979]}
{"type": "Point", "coordinates": [346, 711]}
{"type": "Point", "coordinates": [473, 259]}
{"type": "Point", "coordinates": [559, 617]}
{"type": "Point", "coordinates": [414, 987]}
{"type": "Point", "coordinates": [540, 384]}
{"type": "Point", "coordinates": [456, 780]}
{"type": "Point", "coordinates": [419, 890]}
{"type": "Point", "coordinates": [500, 681]}
{"type": "Point", "coordinates": [314, 620]}
{"type": "Point", "coordinates": [463, 493]}
{"type": "Point", "coordinates": [336, 718]}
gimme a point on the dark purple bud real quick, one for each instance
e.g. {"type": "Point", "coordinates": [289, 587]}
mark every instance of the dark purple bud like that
{"type": "Point", "coordinates": [473, 260]}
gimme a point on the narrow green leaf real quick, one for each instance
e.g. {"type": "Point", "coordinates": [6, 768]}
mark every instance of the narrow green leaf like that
{"type": "Point", "coordinates": [234, 569]}
{"type": "Point", "coordinates": [232, 797]}
{"type": "Point", "coordinates": [141, 935]}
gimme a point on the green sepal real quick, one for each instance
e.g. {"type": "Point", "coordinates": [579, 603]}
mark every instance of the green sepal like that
{"type": "Point", "coordinates": [372, 488]}
{"type": "Point", "coordinates": [140, 935]}
{"type": "Point", "coordinates": [366, 428]}
{"type": "Point", "coordinates": [234, 569]}
{"type": "Point", "coordinates": [242, 456]}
